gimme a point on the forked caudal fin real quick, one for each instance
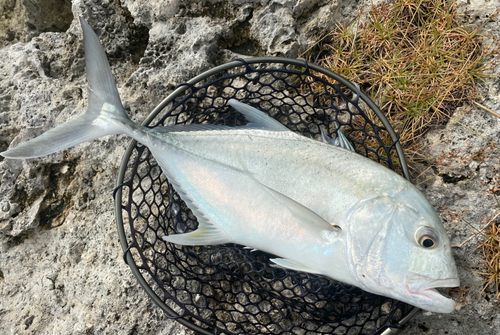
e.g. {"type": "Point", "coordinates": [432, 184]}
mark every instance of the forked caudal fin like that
{"type": "Point", "coordinates": [105, 114]}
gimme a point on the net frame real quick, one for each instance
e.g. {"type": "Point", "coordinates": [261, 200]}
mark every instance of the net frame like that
{"type": "Point", "coordinates": [232, 270]}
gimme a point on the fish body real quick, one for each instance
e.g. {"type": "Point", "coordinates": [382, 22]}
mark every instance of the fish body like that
{"type": "Point", "coordinates": [379, 212]}
{"type": "Point", "coordinates": [318, 207]}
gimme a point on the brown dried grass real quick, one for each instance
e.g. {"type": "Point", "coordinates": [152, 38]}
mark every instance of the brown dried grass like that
{"type": "Point", "coordinates": [413, 58]}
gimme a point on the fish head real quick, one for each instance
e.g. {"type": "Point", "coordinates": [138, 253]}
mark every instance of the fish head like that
{"type": "Point", "coordinates": [398, 247]}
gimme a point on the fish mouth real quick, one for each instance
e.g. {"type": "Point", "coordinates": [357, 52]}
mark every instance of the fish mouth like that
{"type": "Point", "coordinates": [424, 289]}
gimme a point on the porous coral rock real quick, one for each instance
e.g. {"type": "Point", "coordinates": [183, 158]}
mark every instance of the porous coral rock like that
{"type": "Point", "coordinates": [61, 265]}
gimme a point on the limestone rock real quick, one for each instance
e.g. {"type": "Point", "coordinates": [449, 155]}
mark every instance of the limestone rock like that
{"type": "Point", "coordinates": [61, 265]}
{"type": "Point", "coordinates": [22, 20]}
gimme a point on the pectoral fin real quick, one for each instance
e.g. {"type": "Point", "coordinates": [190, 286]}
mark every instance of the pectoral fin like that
{"type": "Point", "coordinates": [301, 211]}
{"type": "Point", "coordinates": [292, 265]}
{"type": "Point", "coordinates": [298, 210]}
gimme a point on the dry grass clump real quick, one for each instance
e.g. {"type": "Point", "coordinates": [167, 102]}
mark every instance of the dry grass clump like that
{"type": "Point", "coordinates": [412, 57]}
{"type": "Point", "coordinates": [491, 254]}
{"type": "Point", "coordinates": [490, 234]}
{"type": "Point", "coordinates": [491, 243]}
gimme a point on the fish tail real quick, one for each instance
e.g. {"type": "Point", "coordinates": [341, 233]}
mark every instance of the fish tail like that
{"type": "Point", "coordinates": [105, 114]}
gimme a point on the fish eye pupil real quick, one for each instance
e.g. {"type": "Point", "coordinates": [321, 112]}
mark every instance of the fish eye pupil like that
{"type": "Point", "coordinates": [428, 243]}
{"type": "Point", "coordinates": [426, 237]}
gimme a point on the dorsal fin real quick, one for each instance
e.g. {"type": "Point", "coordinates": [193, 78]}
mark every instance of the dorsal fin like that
{"type": "Point", "coordinates": [340, 141]}
{"type": "Point", "coordinates": [256, 118]}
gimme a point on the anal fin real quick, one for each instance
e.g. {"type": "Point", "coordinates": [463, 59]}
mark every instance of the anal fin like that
{"type": "Point", "coordinates": [206, 234]}
{"type": "Point", "coordinates": [292, 265]}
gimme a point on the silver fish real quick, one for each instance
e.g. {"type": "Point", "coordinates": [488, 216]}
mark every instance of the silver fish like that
{"type": "Point", "coordinates": [319, 207]}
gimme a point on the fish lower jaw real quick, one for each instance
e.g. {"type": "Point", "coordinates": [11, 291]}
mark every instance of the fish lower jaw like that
{"type": "Point", "coordinates": [433, 301]}
{"type": "Point", "coordinates": [428, 298]}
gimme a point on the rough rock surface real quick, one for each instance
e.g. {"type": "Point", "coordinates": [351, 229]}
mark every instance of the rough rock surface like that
{"type": "Point", "coordinates": [22, 20]}
{"type": "Point", "coordinates": [61, 268]}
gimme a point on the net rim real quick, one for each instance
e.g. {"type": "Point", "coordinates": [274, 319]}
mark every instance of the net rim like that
{"type": "Point", "coordinates": [127, 257]}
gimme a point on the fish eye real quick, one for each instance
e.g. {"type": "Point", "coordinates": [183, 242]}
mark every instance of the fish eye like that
{"type": "Point", "coordinates": [426, 237]}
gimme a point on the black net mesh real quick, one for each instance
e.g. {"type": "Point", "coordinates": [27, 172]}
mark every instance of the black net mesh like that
{"type": "Point", "coordinates": [227, 289]}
